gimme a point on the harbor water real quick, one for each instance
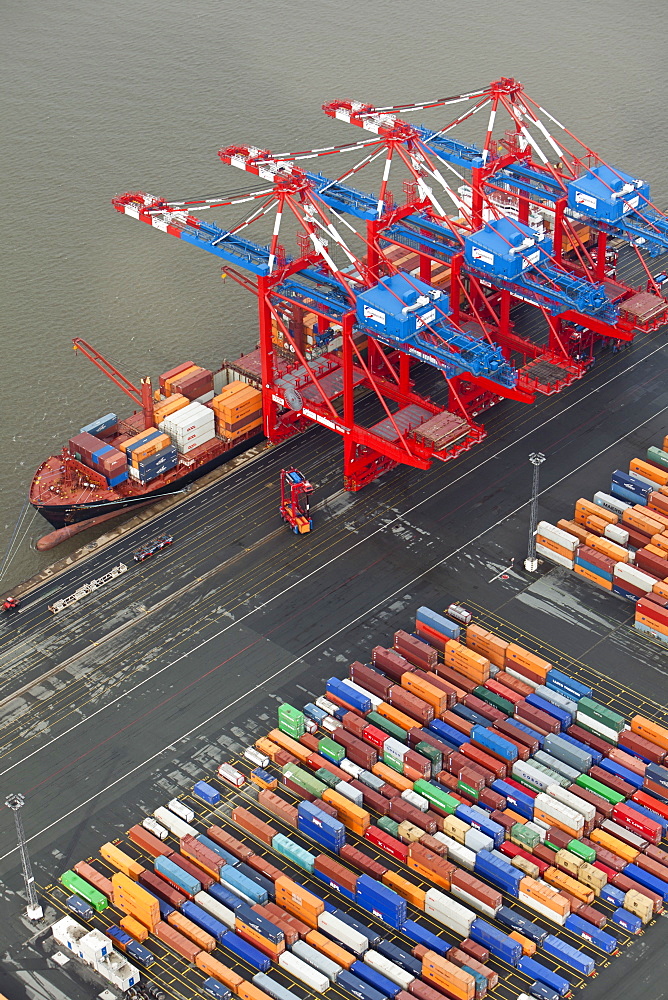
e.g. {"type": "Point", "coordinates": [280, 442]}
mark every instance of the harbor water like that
{"type": "Point", "coordinates": [104, 98]}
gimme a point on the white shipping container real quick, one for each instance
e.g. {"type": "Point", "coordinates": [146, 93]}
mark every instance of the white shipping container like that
{"type": "Point", "coordinates": [413, 799]}
{"type": "Point", "coordinates": [354, 770]}
{"type": "Point", "coordinates": [152, 825]}
{"type": "Point", "coordinates": [574, 802]}
{"type": "Point", "coordinates": [466, 897]}
{"type": "Point", "coordinates": [206, 398]}
{"type": "Point", "coordinates": [559, 810]}
{"type": "Point", "coordinates": [558, 535]}
{"type": "Point", "coordinates": [374, 699]}
{"type": "Point", "coordinates": [255, 757]}
{"type": "Point", "coordinates": [118, 971]}
{"type": "Point", "coordinates": [393, 972]}
{"type": "Point", "coordinates": [605, 731]}
{"type": "Point", "coordinates": [173, 823]}
{"type": "Point", "coordinates": [95, 945]}
{"type": "Point", "coordinates": [344, 935]}
{"type": "Point", "coordinates": [325, 705]}
{"type": "Point", "coordinates": [395, 748]}
{"type": "Point", "coordinates": [523, 770]}
{"type": "Point", "coordinates": [616, 534]}
{"type": "Point", "coordinates": [68, 932]}
{"type": "Point", "coordinates": [613, 504]}
{"type": "Point", "coordinates": [448, 911]}
{"type": "Point", "coordinates": [314, 958]}
{"type": "Point", "coordinates": [314, 979]}
{"type": "Point", "coordinates": [557, 699]}
{"type": "Point", "coordinates": [216, 909]}
{"type": "Point", "coordinates": [539, 829]}
{"type": "Point", "coordinates": [351, 793]}
{"type": "Point", "coordinates": [457, 853]}
{"type": "Point", "coordinates": [541, 909]}
{"type": "Point", "coordinates": [555, 557]}
{"type": "Point", "coordinates": [624, 571]}
{"type": "Point", "coordinates": [181, 810]}
{"type": "Point", "coordinates": [476, 841]}
{"type": "Point", "coordinates": [330, 724]}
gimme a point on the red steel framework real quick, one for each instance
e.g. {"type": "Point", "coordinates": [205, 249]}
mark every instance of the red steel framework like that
{"type": "Point", "coordinates": [301, 385]}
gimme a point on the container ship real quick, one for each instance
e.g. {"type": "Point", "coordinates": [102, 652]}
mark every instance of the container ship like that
{"type": "Point", "coordinates": [179, 434]}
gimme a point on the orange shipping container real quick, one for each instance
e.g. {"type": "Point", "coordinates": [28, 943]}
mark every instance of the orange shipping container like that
{"type": "Point", "coordinates": [248, 991]}
{"type": "Point", "coordinates": [298, 901]}
{"type": "Point", "coordinates": [133, 899]}
{"type": "Point", "coordinates": [651, 623]}
{"type": "Point", "coordinates": [618, 847]}
{"type": "Point", "coordinates": [178, 942]}
{"type": "Point", "coordinates": [560, 880]}
{"type": "Point", "coordinates": [352, 816]}
{"type": "Point", "coordinates": [586, 507]}
{"type": "Point", "coordinates": [573, 528]}
{"type": "Point", "coordinates": [517, 657]}
{"type": "Point", "coordinates": [450, 978]}
{"type": "Point", "coordinates": [548, 543]}
{"type": "Point", "coordinates": [545, 894]}
{"type": "Point", "coordinates": [648, 471]}
{"type": "Point", "coordinates": [600, 581]}
{"type": "Point", "coordinates": [652, 731]}
{"type": "Point", "coordinates": [96, 879]}
{"type": "Point", "coordinates": [134, 928]}
{"type": "Point", "coordinates": [610, 549]}
{"type": "Point", "coordinates": [122, 861]}
{"type": "Point", "coordinates": [168, 406]}
{"type": "Point", "coordinates": [391, 777]}
{"type": "Point", "coordinates": [292, 746]}
{"type": "Point", "coordinates": [137, 437]}
{"type": "Point", "coordinates": [528, 947]}
{"type": "Point", "coordinates": [268, 747]}
{"type": "Point", "coordinates": [248, 933]}
{"type": "Point", "coordinates": [594, 524]}
{"type": "Point", "coordinates": [648, 525]}
{"type": "Point", "coordinates": [410, 892]}
{"type": "Point", "coordinates": [192, 931]}
{"type": "Point", "coordinates": [210, 966]}
{"type": "Point", "coordinates": [466, 661]}
{"type": "Point", "coordinates": [433, 696]}
{"type": "Point", "coordinates": [330, 949]}
{"type": "Point", "coordinates": [490, 646]}
{"type": "Point", "coordinates": [398, 718]}
{"type": "Point", "coordinates": [178, 377]}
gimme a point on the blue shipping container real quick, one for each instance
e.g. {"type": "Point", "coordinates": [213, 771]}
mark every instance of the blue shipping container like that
{"type": "Point", "coordinates": [225, 896]}
{"type": "Point", "coordinates": [250, 873]}
{"type": "Point", "coordinates": [357, 987]}
{"type": "Point", "coordinates": [216, 989]}
{"type": "Point", "coordinates": [495, 941]}
{"type": "Point", "coordinates": [449, 733]}
{"type": "Point", "coordinates": [205, 920]}
{"type": "Point", "coordinates": [79, 906]}
{"type": "Point", "coordinates": [568, 686]}
{"type": "Point", "coordinates": [375, 979]}
{"type": "Point", "coordinates": [207, 793]}
{"type": "Point", "coordinates": [612, 767]}
{"type": "Point", "coordinates": [649, 881]}
{"type": "Point", "coordinates": [349, 695]}
{"type": "Point", "coordinates": [104, 423]}
{"type": "Point", "coordinates": [173, 873]}
{"type": "Point", "coordinates": [518, 801]}
{"type": "Point", "coordinates": [587, 931]}
{"type": "Point", "coordinates": [570, 956]}
{"type": "Point", "coordinates": [631, 496]}
{"type": "Point", "coordinates": [217, 849]}
{"type": "Point", "coordinates": [312, 711]}
{"type": "Point", "coordinates": [536, 970]}
{"type": "Point", "coordinates": [334, 885]}
{"type": "Point", "coordinates": [400, 957]}
{"type": "Point", "coordinates": [562, 717]}
{"type": "Point", "coordinates": [629, 921]}
{"type": "Point", "coordinates": [479, 819]}
{"type": "Point", "coordinates": [416, 932]}
{"type": "Point", "coordinates": [521, 924]}
{"type": "Point", "coordinates": [271, 987]}
{"type": "Point", "coordinates": [241, 885]}
{"type": "Point", "coordinates": [501, 873]}
{"type": "Point", "coordinates": [438, 622]}
{"type": "Point", "coordinates": [610, 894]}
{"type": "Point", "coordinates": [246, 952]}
{"type": "Point", "coordinates": [468, 714]}
{"type": "Point", "coordinates": [140, 954]}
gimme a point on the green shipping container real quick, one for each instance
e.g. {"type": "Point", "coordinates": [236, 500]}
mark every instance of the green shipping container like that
{"type": "Point", "coordinates": [463, 787]}
{"type": "Point", "coordinates": [291, 721]}
{"type": "Point", "coordinates": [523, 837]}
{"type": "Point", "coordinates": [78, 885]}
{"type": "Point", "coordinates": [592, 785]}
{"type": "Point", "coordinates": [304, 779]}
{"type": "Point", "coordinates": [388, 825]}
{"type": "Point", "coordinates": [658, 457]}
{"type": "Point", "coordinates": [394, 763]}
{"type": "Point", "coordinates": [495, 700]}
{"type": "Point", "coordinates": [601, 714]}
{"type": "Point", "coordinates": [432, 754]}
{"type": "Point", "coordinates": [582, 851]}
{"type": "Point", "coordinates": [322, 774]}
{"type": "Point", "coordinates": [329, 748]}
{"type": "Point", "coordinates": [446, 803]}
{"type": "Point", "coordinates": [374, 719]}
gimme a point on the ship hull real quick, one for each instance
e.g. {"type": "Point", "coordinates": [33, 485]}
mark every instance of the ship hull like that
{"type": "Point", "coordinates": [60, 515]}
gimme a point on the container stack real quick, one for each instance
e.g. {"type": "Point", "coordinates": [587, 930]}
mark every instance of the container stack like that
{"type": "Point", "coordinates": [291, 721]}
{"type": "Point", "coordinates": [619, 541]}
{"type": "Point", "coordinates": [190, 427]}
{"type": "Point", "coordinates": [149, 453]}
{"type": "Point", "coordinates": [100, 457]}
{"type": "Point", "coordinates": [238, 410]}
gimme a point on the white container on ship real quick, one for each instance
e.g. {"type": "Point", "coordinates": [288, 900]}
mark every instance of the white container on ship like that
{"type": "Point", "coordinates": [586, 809]}
{"type": "Point", "coordinates": [393, 972]}
{"type": "Point", "coordinates": [344, 935]}
{"type": "Point", "coordinates": [311, 977]}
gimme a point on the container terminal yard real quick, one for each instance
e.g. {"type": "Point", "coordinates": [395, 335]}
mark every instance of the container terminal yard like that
{"type": "Point", "coordinates": [120, 703]}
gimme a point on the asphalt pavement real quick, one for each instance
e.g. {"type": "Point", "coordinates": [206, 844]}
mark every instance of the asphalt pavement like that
{"type": "Point", "coordinates": [180, 662]}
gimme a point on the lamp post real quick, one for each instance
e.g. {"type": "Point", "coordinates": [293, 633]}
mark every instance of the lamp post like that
{"type": "Point", "coordinates": [15, 803]}
{"type": "Point", "coordinates": [531, 562]}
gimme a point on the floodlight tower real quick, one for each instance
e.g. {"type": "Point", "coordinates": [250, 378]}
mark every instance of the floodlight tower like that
{"type": "Point", "coordinates": [15, 803]}
{"type": "Point", "coordinates": [531, 561]}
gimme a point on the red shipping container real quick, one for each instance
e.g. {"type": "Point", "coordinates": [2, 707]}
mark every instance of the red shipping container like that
{"type": "Point", "coordinates": [612, 781]}
{"type": "Point", "coordinates": [161, 888]}
{"type": "Point", "coordinates": [353, 724]}
{"type": "Point", "coordinates": [475, 950]}
{"type": "Point", "coordinates": [643, 799]}
{"type": "Point", "coordinates": [372, 680]}
{"type": "Point", "coordinates": [290, 934]}
{"type": "Point", "coordinates": [483, 708]}
{"type": "Point", "coordinates": [458, 761]}
{"type": "Point", "coordinates": [264, 867]}
{"type": "Point", "coordinates": [422, 991]}
{"type": "Point", "coordinates": [504, 691]}
{"type": "Point", "coordinates": [316, 762]}
{"type": "Point", "coordinates": [173, 372]}
{"type": "Point", "coordinates": [605, 856]}
{"type": "Point", "coordinates": [628, 761]}
{"type": "Point", "coordinates": [486, 760]}
{"type": "Point", "coordinates": [375, 736]}
{"type": "Point", "coordinates": [373, 800]}
{"type": "Point", "coordinates": [465, 684]}
{"type": "Point", "coordinates": [297, 925]}
{"type": "Point", "coordinates": [255, 826]}
{"type": "Point", "coordinates": [411, 705]}
{"type": "Point", "coordinates": [224, 839]}
{"type": "Point", "coordinates": [390, 662]}
{"type": "Point", "coordinates": [597, 801]}
{"type": "Point", "coordinates": [596, 558]}
{"type": "Point", "coordinates": [362, 861]}
{"type": "Point", "coordinates": [418, 763]}
{"type": "Point", "coordinates": [558, 837]}
{"type": "Point", "coordinates": [652, 866]}
{"type": "Point", "coordinates": [148, 842]}
{"type": "Point", "coordinates": [486, 894]}
{"type": "Point", "coordinates": [387, 843]}
{"type": "Point", "coordinates": [657, 854]}
{"type": "Point", "coordinates": [457, 722]}
{"type": "Point", "coordinates": [575, 903]}
{"type": "Point", "coordinates": [592, 916]}
{"type": "Point", "coordinates": [360, 753]}
{"type": "Point", "coordinates": [433, 845]}
{"type": "Point", "coordinates": [514, 683]}
{"type": "Point", "coordinates": [401, 810]}
{"type": "Point", "coordinates": [491, 799]}
{"type": "Point", "coordinates": [521, 788]}
{"type": "Point", "coordinates": [418, 653]}
{"type": "Point", "coordinates": [505, 821]}
{"type": "Point", "coordinates": [650, 563]}
{"type": "Point", "coordinates": [336, 872]}
{"type": "Point", "coordinates": [390, 791]}
{"type": "Point", "coordinates": [637, 539]}
{"type": "Point", "coordinates": [641, 825]}
{"type": "Point", "coordinates": [625, 884]}
{"type": "Point", "coordinates": [593, 741]}
{"type": "Point", "coordinates": [544, 853]}
{"type": "Point", "coordinates": [536, 718]}
{"type": "Point", "coordinates": [310, 742]}
{"type": "Point", "coordinates": [429, 635]}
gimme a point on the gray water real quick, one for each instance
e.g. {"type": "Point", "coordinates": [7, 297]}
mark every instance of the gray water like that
{"type": "Point", "coordinates": [101, 98]}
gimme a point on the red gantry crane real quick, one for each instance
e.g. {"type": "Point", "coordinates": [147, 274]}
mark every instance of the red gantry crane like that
{"type": "Point", "coordinates": [350, 311]}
